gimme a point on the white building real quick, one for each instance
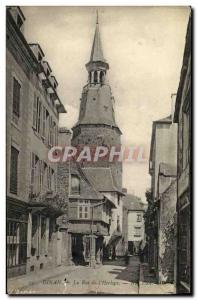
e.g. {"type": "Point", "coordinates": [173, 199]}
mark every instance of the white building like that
{"type": "Point", "coordinates": [133, 223]}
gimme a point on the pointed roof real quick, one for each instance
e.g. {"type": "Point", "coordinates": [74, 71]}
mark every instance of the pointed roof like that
{"type": "Point", "coordinates": [97, 51]}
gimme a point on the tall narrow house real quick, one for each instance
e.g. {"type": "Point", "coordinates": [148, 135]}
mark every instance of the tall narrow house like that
{"type": "Point", "coordinates": [96, 210]}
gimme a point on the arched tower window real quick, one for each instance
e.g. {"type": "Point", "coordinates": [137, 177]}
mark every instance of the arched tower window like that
{"type": "Point", "coordinates": [89, 77]}
{"type": "Point", "coordinates": [102, 77]}
{"type": "Point", "coordinates": [95, 77]}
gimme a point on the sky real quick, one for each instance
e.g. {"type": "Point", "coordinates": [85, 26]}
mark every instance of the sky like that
{"type": "Point", "coordinates": [144, 48]}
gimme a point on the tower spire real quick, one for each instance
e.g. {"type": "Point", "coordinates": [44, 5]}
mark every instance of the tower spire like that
{"type": "Point", "coordinates": [97, 17]}
{"type": "Point", "coordinates": [97, 51]}
{"type": "Point", "coordinates": [97, 61]}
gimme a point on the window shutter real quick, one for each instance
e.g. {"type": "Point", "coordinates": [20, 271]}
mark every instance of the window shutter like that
{"type": "Point", "coordinates": [32, 170]}
{"type": "Point", "coordinates": [35, 112]}
{"type": "Point", "coordinates": [38, 114]}
{"type": "Point", "coordinates": [41, 174]}
{"type": "Point", "coordinates": [43, 121]}
{"type": "Point", "coordinates": [56, 136]}
{"type": "Point", "coordinates": [37, 171]}
{"type": "Point", "coordinates": [47, 127]}
{"type": "Point", "coordinates": [14, 171]}
{"type": "Point", "coordinates": [49, 178]}
{"type": "Point", "coordinates": [50, 130]}
{"type": "Point", "coordinates": [16, 97]}
{"type": "Point", "coordinates": [41, 118]}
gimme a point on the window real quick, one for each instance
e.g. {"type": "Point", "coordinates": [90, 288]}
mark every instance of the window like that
{"type": "Point", "coordinates": [102, 77]}
{"type": "Point", "coordinates": [32, 169]}
{"type": "Point", "coordinates": [118, 199]}
{"type": "Point", "coordinates": [41, 175]}
{"type": "Point", "coordinates": [75, 185]}
{"type": "Point", "coordinates": [14, 171]}
{"type": "Point", "coordinates": [185, 137]}
{"type": "Point", "coordinates": [52, 180]}
{"type": "Point", "coordinates": [19, 21]}
{"type": "Point", "coordinates": [139, 218]}
{"type": "Point", "coordinates": [47, 126]}
{"type": "Point", "coordinates": [16, 98]}
{"type": "Point", "coordinates": [16, 241]}
{"type": "Point", "coordinates": [95, 77]}
{"type": "Point", "coordinates": [55, 134]}
{"type": "Point", "coordinates": [137, 232]}
{"type": "Point", "coordinates": [49, 175]}
{"type": "Point", "coordinates": [37, 114]}
{"type": "Point", "coordinates": [50, 137]}
{"type": "Point", "coordinates": [37, 169]}
{"type": "Point", "coordinates": [84, 209]}
{"type": "Point", "coordinates": [45, 176]}
{"type": "Point", "coordinates": [48, 73]}
{"type": "Point", "coordinates": [39, 56]}
{"type": "Point", "coordinates": [43, 122]}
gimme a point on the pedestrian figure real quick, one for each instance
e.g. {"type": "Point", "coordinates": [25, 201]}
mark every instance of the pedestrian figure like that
{"type": "Point", "coordinates": [126, 258]}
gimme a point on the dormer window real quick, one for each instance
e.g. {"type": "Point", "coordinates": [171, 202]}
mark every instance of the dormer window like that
{"type": "Point", "coordinates": [39, 56]}
{"type": "Point", "coordinates": [37, 51]}
{"type": "Point", "coordinates": [19, 21]}
{"type": "Point", "coordinates": [46, 67]}
{"type": "Point", "coordinates": [75, 185]}
{"type": "Point", "coordinates": [18, 16]}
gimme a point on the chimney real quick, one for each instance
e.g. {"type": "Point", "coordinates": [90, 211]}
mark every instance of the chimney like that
{"type": "Point", "coordinates": [64, 137]}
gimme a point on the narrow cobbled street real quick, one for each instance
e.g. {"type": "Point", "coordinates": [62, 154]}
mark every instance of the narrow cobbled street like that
{"type": "Point", "coordinates": [113, 277]}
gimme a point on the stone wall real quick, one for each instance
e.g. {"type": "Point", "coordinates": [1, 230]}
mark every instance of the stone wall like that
{"type": "Point", "coordinates": [100, 135]}
{"type": "Point", "coordinates": [167, 238]}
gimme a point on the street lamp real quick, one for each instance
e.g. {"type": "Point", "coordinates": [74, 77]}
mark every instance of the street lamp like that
{"type": "Point", "coordinates": [91, 262]}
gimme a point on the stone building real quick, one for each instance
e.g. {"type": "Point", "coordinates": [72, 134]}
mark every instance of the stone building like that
{"type": "Point", "coordinates": [95, 204]}
{"type": "Point", "coordinates": [133, 224]}
{"type": "Point", "coordinates": [32, 116]}
{"type": "Point", "coordinates": [183, 117]}
{"type": "Point", "coordinates": [163, 150]}
{"type": "Point", "coordinates": [166, 197]}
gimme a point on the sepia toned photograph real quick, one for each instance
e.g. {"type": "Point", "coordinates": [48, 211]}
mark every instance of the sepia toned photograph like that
{"type": "Point", "coordinates": [98, 150]}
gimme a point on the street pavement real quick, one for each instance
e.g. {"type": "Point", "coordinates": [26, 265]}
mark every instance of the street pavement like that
{"type": "Point", "coordinates": [113, 277]}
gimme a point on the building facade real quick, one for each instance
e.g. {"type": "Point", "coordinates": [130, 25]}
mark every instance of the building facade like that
{"type": "Point", "coordinates": [183, 117]}
{"type": "Point", "coordinates": [166, 195]}
{"type": "Point", "coordinates": [32, 116]}
{"type": "Point", "coordinates": [133, 224]}
{"type": "Point", "coordinates": [163, 142]}
{"type": "Point", "coordinates": [97, 209]}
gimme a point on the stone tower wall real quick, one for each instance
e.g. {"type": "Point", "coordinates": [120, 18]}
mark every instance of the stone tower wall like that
{"type": "Point", "coordinates": [99, 135]}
